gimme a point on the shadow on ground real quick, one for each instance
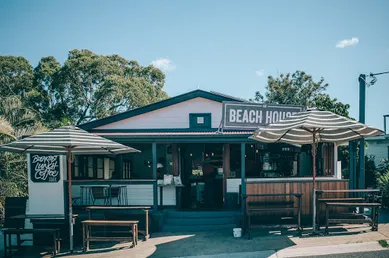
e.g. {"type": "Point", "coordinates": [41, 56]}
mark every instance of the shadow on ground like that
{"type": "Point", "coordinates": [210, 243]}
{"type": "Point", "coordinates": [162, 245]}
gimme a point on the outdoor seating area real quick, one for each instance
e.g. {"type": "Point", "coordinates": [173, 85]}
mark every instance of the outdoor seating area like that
{"type": "Point", "coordinates": [104, 194]}
{"type": "Point", "coordinates": [276, 204]}
{"type": "Point", "coordinates": [14, 224]}
{"type": "Point", "coordinates": [284, 174]}
{"type": "Point", "coordinates": [348, 207]}
{"type": "Point", "coordinates": [107, 209]}
{"type": "Point", "coordinates": [87, 231]}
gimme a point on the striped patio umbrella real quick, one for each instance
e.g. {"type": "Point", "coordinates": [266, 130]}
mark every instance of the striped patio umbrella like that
{"type": "Point", "coordinates": [67, 140]}
{"type": "Point", "coordinates": [311, 127]}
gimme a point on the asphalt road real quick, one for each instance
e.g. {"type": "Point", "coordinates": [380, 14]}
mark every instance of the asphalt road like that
{"type": "Point", "coordinates": [375, 254]}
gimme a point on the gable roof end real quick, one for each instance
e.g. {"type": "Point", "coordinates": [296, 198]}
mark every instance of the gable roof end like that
{"type": "Point", "coordinates": [158, 105]}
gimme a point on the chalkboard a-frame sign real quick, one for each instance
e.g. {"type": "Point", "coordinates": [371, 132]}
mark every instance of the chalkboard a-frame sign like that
{"type": "Point", "coordinates": [44, 168]}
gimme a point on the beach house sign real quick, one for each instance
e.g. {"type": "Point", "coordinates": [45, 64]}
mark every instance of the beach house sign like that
{"type": "Point", "coordinates": [244, 116]}
{"type": "Point", "coordinates": [44, 168]}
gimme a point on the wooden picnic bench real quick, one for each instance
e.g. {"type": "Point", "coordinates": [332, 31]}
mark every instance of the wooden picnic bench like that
{"type": "Point", "coordinates": [255, 207]}
{"type": "Point", "coordinates": [324, 200]}
{"type": "Point", "coordinates": [373, 220]}
{"type": "Point", "coordinates": [87, 231]}
{"type": "Point", "coordinates": [8, 232]}
{"type": "Point", "coordinates": [14, 224]}
{"type": "Point", "coordinates": [145, 209]}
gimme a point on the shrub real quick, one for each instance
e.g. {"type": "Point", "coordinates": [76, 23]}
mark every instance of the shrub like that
{"type": "Point", "coordinates": [383, 184]}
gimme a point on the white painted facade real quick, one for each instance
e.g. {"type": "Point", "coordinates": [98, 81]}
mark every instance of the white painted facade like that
{"type": "Point", "coordinates": [137, 194]}
{"type": "Point", "coordinates": [47, 198]}
{"type": "Point", "coordinates": [174, 116]}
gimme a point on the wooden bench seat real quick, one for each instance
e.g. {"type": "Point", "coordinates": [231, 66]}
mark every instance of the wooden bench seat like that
{"type": "Point", "coordinates": [319, 218]}
{"type": "Point", "coordinates": [273, 206]}
{"type": "Point", "coordinates": [8, 232]}
{"type": "Point", "coordinates": [339, 199]}
{"type": "Point", "coordinates": [87, 232]}
{"type": "Point", "coordinates": [373, 220]}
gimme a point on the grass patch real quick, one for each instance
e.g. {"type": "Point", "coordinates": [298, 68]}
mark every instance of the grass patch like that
{"type": "Point", "coordinates": [383, 243]}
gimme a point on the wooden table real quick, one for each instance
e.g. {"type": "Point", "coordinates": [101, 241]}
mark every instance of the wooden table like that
{"type": "Point", "coordinates": [44, 217]}
{"type": "Point", "coordinates": [87, 231]}
{"type": "Point", "coordinates": [273, 206]}
{"type": "Point", "coordinates": [145, 209]}
{"type": "Point", "coordinates": [375, 213]}
{"type": "Point", "coordinates": [371, 198]}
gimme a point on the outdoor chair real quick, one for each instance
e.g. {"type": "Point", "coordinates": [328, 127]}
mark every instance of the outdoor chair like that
{"type": "Point", "coordinates": [99, 193]}
{"type": "Point", "coordinates": [115, 193]}
{"type": "Point", "coordinates": [14, 223]}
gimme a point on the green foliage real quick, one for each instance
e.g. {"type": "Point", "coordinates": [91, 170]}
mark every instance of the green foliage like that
{"type": "Point", "coordinates": [13, 167]}
{"type": "Point", "coordinates": [86, 87]}
{"type": "Point", "coordinates": [383, 184]}
{"type": "Point", "coordinates": [324, 102]}
{"type": "Point", "coordinates": [16, 76]}
{"type": "Point", "coordinates": [383, 167]}
{"type": "Point", "coordinates": [383, 243]}
{"type": "Point", "coordinates": [90, 86]}
{"type": "Point", "coordinates": [299, 88]}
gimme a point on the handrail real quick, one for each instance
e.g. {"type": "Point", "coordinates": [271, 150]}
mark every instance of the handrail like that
{"type": "Point", "coordinates": [267, 195]}
{"type": "Point", "coordinates": [349, 191]}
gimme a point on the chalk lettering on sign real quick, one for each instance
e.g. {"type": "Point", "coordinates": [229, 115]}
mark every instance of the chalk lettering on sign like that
{"type": "Point", "coordinates": [45, 168]}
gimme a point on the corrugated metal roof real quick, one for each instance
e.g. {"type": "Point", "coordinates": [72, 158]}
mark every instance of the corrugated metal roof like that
{"type": "Point", "coordinates": [174, 133]}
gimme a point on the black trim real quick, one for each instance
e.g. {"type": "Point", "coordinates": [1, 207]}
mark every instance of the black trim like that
{"type": "Point", "coordinates": [163, 130]}
{"type": "Point", "coordinates": [155, 106]}
{"type": "Point", "coordinates": [193, 121]}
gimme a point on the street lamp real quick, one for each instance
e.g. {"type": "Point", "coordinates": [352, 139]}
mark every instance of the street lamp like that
{"type": "Point", "coordinates": [362, 109]}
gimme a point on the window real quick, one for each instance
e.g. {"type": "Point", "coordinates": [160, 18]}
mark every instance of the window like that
{"type": "Point", "coordinates": [112, 173]}
{"type": "Point", "coordinates": [88, 167]}
{"type": "Point", "coordinates": [200, 120]}
{"type": "Point", "coordinates": [100, 168]}
{"type": "Point", "coordinates": [126, 169]}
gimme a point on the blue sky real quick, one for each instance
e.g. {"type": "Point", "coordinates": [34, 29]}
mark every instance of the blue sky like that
{"type": "Point", "coordinates": [225, 46]}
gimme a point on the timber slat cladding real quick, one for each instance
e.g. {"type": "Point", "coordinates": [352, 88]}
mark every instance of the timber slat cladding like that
{"type": "Point", "coordinates": [294, 187]}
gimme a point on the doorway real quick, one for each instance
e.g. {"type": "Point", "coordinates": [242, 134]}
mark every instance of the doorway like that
{"type": "Point", "coordinates": [202, 174]}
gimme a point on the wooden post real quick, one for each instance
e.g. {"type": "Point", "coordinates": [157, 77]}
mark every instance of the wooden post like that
{"type": "Point", "coordinates": [155, 184]}
{"type": "Point", "coordinates": [175, 159]}
{"type": "Point", "coordinates": [243, 177]}
{"type": "Point", "coordinates": [226, 170]}
{"type": "Point", "coordinates": [362, 109]}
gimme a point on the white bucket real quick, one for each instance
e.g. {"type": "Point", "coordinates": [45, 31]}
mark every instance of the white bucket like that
{"type": "Point", "coordinates": [237, 232]}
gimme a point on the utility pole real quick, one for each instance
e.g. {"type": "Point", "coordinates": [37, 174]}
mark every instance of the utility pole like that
{"type": "Point", "coordinates": [362, 105]}
{"type": "Point", "coordinates": [362, 108]}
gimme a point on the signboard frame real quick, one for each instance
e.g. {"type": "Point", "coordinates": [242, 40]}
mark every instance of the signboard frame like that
{"type": "Point", "coordinates": [48, 171]}
{"type": "Point", "coordinates": [247, 105]}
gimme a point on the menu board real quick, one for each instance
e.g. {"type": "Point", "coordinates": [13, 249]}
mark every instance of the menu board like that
{"type": "Point", "coordinates": [44, 168]}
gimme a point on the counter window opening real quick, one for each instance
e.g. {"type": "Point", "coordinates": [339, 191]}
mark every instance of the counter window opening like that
{"type": "Point", "coordinates": [279, 160]}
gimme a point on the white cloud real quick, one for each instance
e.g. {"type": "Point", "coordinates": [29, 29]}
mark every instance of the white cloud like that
{"type": "Point", "coordinates": [347, 43]}
{"type": "Point", "coordinates": [260, 73]}
{"type": "Point", "coordinates": [164, 64]}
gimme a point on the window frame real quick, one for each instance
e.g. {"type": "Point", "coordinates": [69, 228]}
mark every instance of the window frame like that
{"type": "Point", "coordinates": [207, 120]}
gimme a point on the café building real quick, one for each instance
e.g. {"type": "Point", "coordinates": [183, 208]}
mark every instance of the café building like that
{"type": "Point", "coordinates": [196, 155]}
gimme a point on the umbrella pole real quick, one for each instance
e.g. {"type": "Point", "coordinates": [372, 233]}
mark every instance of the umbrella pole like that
{"type": "Point", "coordinates": [314, 183]}
{"type": "Point", "coordinates": [70, 201]}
